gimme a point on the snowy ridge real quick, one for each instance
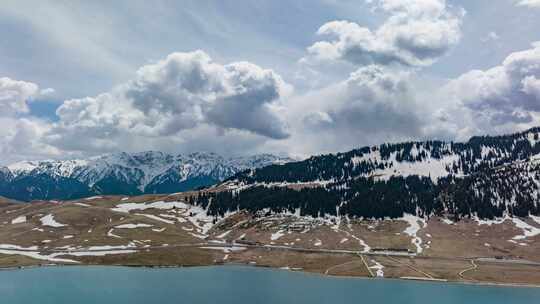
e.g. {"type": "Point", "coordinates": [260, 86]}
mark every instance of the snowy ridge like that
{"type": "Point", "coordinates": [432, 159]}
{"type": "Point", "coordinates": [142, 169]}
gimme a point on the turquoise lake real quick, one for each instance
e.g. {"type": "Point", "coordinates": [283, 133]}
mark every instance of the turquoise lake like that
{"type": "Point", "coordinates": [233, 284]}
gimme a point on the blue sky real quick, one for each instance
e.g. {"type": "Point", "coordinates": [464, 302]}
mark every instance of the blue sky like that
{"type": "Point", "coordinates": [91, 55]}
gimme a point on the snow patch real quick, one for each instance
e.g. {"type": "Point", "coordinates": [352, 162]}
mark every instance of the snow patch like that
{"type": "Point", "coordinates": [275, 236]}
{"type": "Point", "coordinates": [156, 218]}
{"type": "Point", "coordinates": [224, 234]}
{"type": "Point", "coordinates": [83, 205]}
{"type": "Point", "coordinates": [490, 222]}
{"type": "Point", "coordinates": [379, 268]}
{"type": "Point", "coordinates": [225, 249]}
{"type": "Point", "coordinates": [93, 198]}
{"type": "Point", "coordinates": [413, 229]}
{"type": "Point", "coordinates": [447, 221]}
{"type": "Point", "coordinates": [111, 234]}
{"type": "Point", "coordinates": [133, 226]}
{"type": "Point", "coordinates": [48, 220]}
{"type": "Point", "coordinates": [528, 230]}
{"type": "Point", "coordinates": [19, 220]}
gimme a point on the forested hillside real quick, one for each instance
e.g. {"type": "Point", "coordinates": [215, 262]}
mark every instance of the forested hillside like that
{"type": "Point", "coordinates": [485, 177]}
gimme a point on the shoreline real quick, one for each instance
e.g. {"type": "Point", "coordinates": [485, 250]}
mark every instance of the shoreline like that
{"type": "Point", "coordinates": [270, 268]}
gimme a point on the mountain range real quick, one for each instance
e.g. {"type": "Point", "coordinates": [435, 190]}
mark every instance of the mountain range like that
{"type": "Point", "coordinates": [122, 173]}
{"type": "Point", "coordinates": [485, 177]}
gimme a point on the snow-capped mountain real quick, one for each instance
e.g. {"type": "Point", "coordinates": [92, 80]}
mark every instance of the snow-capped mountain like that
{"type": "Point", "coordinates": [487, 176]}
{"type": "Point", "coordinates": [133, 173]}
{"type": "Point", "coordinates": [5, 174]}
{"type": "Point", "coordinates": [433, 159]}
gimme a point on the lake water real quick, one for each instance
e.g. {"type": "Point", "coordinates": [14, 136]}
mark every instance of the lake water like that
{"type": "Point", "coordinates": [233, 284]}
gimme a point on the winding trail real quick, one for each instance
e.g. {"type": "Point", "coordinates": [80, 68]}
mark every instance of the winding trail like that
{"type": "Point", "coordinates": [473, 267]}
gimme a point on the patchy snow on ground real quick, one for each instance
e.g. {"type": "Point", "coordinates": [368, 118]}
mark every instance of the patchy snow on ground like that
{"type": "Point", "coordinates": [19, 220]}
{"type": "Point", "coordinates": [343, 240]}
{"type": "Point", "coordinates": [111, 234]}
{"type": "Point", "coordinates": [318, 243]}
{"type": "Point", "coordinates": [199, 236]}
{"type": "Point", "coordinates": [366, 246]}
{"type": "Point", "coordinates": [124, 198]}
{"type": "Point", "coordinates": [158, 230]}
{"type": "Point", "coordinates": [535, 218]}
{"type": "Point", "coordinates": [111, 247]}
{"type": "Point", "coordinates": [38, 256]}
{"type": "Point", "coordinates": [433, 168]}
{"type": "Point", "coordinates": [83, 205]}
{"type": "Point", "coordinates": [127, 207]}
{"type": "Point", "coordinates": [447, 221]}
{"type": "Point", "coordinates": [413, 229]}
{"type": "Point", "coordinates": [225, 249]}
{"type": "Point", "coordinates": [275, 236]}
{"type": "Point", "coordinates": [133, 226]}
{"type": "Point", "coordinates": [48, 220]}
{"type": "Point", "coordinates": [194, 214]}
{"type": "Point", "coordinates": [68, 236]}
{"type": "Point", "coordinates": [31, 252]}
{"type": "Point", "coordinates": [378, 267]}
{"type": "Point", "coordinates": [93, 198]}
{"type": "Point", "coordinates": [174, 217]}
{"type": "Point", "coordinates": [156, 218]}
{"type": "Point", "coordinates": [366, 249]}
{"type": "Point", "coordinates": [528, 230]}
{"type": "Point", "coordinates": [224, 234]}
{"type": "Point", "coordinates": [17, 247]}
{"type": "Point", "coordinates": [93, 253]}
{"type": "Point", "coordinates": [201, 220]}
{"type": "Point", "coordinates": [496, 221]}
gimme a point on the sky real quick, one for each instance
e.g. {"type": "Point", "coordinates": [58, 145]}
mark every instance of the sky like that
{"type": "Point", "coordinates": [297, 78]}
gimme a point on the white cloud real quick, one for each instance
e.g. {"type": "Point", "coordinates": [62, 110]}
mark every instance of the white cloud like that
{"type": "Point", "coordinates": [529, 3]}
{"type": "Point", "coordinates": [21, 134]}
{"type": "Point", "coordinates": [185, 92]}
{"type": "Point", "coordinates": [47, 92]}
{"type": "Point", "coordinates": [14, 96]}
{"type": "Point", "coordinates": [374, 104]}
{"type": "Point", "coordinates": [21, 138]}
{"type": "Point", "coordinates": [416, 33]}
{"type": "Point", "coordinates": [508, 93]}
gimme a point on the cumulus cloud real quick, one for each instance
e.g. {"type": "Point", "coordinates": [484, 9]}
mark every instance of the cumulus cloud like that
{"type": "Point", "coordinates": [14, 96]}
{"type": "Point", "coordinates": [508, 93]}
{"type": "Point", "coordinates": [416, 33]}
{"type": "Point", "coordinates": [375, 100]}
{"type": "Point", "coordinates": [21, 138]}
{"type": "Point", "coordinates": [173, 96]}
{"type": "Point", "coordinates": [374, 104]}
